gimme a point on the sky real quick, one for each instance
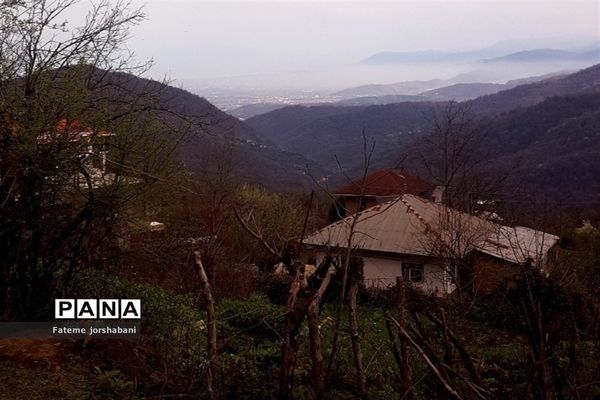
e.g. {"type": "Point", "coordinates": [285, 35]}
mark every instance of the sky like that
{"type": "Point", "coordinates": [203, 39]}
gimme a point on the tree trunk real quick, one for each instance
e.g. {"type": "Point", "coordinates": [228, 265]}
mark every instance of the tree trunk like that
{"type": "Point", "coordinates": [289, 346]}
{"type": "Point", "coordinates": [466, 358]}
{"type": "Point", "coordinates": [533, 317]}
{"type": "Point", "coordinates": [355, 338]}
{"type": "Point", "coordinates": [405, 370]}
{"type": "Point", "coordinates": [316, 354]}
{"type": "Point", "coordinates": [452, 393]}
{"type": "Point", "coordinates": [314, 331]}
{"type": "Point", "coordinates": [211, 325]}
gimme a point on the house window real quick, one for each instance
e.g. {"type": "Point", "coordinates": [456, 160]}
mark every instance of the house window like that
{"type": "Point", "coordinates": [412, 272]}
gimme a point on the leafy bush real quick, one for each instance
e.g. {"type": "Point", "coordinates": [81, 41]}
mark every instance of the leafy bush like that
{"type": "Point", "coordinates": [172, 328]}
{"type": "Point", "coordinates": [112, 385]}
{"type": "Point", "coordinates": [249, 365]}
{"type": "Point", "coordinates": [255, 316]}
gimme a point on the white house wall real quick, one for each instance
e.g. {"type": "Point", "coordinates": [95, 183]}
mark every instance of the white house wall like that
{"type": "Point", "coordinates": [381, 272]}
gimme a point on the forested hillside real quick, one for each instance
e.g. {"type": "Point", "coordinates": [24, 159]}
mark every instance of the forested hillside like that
{"type": "Point", "coordinates": [208, 133]}
{"type": "Point", "coordinates": [519, 126]}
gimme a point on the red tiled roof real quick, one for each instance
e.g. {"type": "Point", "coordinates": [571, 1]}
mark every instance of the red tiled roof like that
{"type": "Point", "coordinates": [74, 131]}
{"type": "Point", "coordinates": [386, 182]}
{"type": "Point", "coordinates": [65, 126]}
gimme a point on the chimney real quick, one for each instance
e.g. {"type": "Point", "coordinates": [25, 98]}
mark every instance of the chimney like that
{"type": "Point", "coordinates": [437, 196]}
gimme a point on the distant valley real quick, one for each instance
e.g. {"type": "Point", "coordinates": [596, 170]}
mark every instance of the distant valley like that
{"type": "Point", "coordinates": [541, 129]}
{"type": "Point", "coordinates": [397, 76]}
{"type": "Point", "coordinates": [210, 138]}
{"type": "Point", "coordinates": [432, 90]}
{"type": "Point", "coordinates": [544, 130]}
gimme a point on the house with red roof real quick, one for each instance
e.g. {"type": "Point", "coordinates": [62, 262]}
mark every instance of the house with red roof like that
{"type": "Point", "coordinates": [92, 145]}
{"type": "Point", "coordinates": [376, 188]}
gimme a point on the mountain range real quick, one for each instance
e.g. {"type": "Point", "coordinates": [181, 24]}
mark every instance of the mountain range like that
{"type": "Point", "coordinates": [460, 87]}
{"type": "Point", "coordinates": [431, 90]}
{"type": "Point", "coordinates": [400, 88]}
{"type": "Point", "coordinates": [546, 130]}
{"type": "Point", "coordinates": [545, 55]}
{"type": "Point", "coordinates": [486, 55]}
{"type": "Point", "coordinates": [545, 133]}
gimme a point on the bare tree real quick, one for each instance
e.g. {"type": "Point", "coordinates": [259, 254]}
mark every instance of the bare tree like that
{"type": "Point", "coordinates": [453, 156]}
{"type": "Point", "coordinates": [536, 291]}
{"type": "Point", "coordinates": [275, 222]}
{"type": "Point", "coordinates": [217, 183]}
{"type": "Point", "coordinates": [211, 333]}
{"type": "Point", "coordinates": [450, 238]}
{"type": "Point", "coordinates": [449, 374]}
{"type": "Point", "coordinates": [314, 327]}
{"type": "Point", "coordinates": [404, 356]}
{"type": "Point", "coordinates": [356, 277]}
{"type": "Point", "coordinates": [61, 91]}
{"type": "Point", "coordinates": [351, 265]}
{"type": "Point", "coordinates": [304, 299]}
{"type": "Point", "coordinates": [351, 224]}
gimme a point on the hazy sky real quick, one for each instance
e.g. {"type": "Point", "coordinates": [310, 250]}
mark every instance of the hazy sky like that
{"type": "Point", "coordinates": [205, 39]}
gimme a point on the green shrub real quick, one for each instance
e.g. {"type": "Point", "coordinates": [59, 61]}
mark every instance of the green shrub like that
{"type": "Point", "coordinates": [111, 385]}
{"type": "Point", "coordinates": [255, 316]}
{"type": "Point", "coordinates": [172, 328]}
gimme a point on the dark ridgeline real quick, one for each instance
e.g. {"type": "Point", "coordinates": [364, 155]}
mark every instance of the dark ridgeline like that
{"type": "Point", "coordinates": [544, 134]}
{"type": "Point", "coordinates": [210, 131]}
